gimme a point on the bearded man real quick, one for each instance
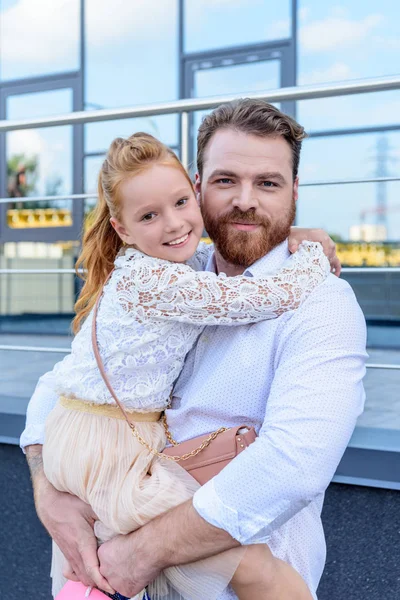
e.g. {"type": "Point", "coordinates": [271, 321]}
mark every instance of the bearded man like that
{"type": "Point", "coordinates": [297, 379]}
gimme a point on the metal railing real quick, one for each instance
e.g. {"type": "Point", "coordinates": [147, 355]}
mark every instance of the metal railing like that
{"type": "Point", "coordinates": [304, 184]}
{"type": "Point", "coordinates": [308, 92]}
{"type": "Point", "coordinates": [184, 107]}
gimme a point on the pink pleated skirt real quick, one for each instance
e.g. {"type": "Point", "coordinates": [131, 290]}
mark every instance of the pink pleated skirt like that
{"type": "Point", "coordinates": [97, 458]}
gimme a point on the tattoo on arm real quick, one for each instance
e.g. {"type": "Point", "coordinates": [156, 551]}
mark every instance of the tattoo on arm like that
{"type": "Point", "coordinates": [35, 464]}
{"type": "Point", "coordinates": [35, 460]}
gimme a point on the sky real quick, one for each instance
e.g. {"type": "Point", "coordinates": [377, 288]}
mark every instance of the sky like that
{"type": "Point", "coordinates": [131, 58]}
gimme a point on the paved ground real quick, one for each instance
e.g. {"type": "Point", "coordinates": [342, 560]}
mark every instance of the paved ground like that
{"type": "Point", "coordinates": [361, 526]}
{"type": "Point", "coordinates": [361, 523]}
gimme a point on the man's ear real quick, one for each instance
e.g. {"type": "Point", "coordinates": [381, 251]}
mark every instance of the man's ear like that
{"type": "Point", "coordinates": [296, 189]}
{"type": "Point", "coordinates": [197, 187]}
{"type": "Point", "coordinates": [120, 229]}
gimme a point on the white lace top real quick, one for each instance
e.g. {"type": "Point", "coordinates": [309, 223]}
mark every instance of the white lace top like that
{"type": "Point", "coordinates": [152, 312]}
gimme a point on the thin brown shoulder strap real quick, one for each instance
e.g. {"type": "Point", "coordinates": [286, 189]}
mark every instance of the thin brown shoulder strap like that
{"type": "Point", "coordinates": [97, 356]}
{"type": "Point", "coordinates": [204, 444]}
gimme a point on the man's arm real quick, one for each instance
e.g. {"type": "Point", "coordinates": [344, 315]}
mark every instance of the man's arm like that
{"type": "Point", "coordinates": [69, 521]}
{"type": "Point", "coordinates": [314, 402]}
{"type": "Point", "coordinates": [43, 400]}
{"type": "Point", "coordinates": [130, 562]}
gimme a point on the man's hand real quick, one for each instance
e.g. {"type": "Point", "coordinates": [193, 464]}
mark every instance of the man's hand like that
{"type": "Point", "coordinates": [176, 537]}
{"type": "Point", "coordinates": [70, 522]}
{"type": "Point", "coordinates": [300, 234]}
{"type": "Point", "coordinates": [127, 564]}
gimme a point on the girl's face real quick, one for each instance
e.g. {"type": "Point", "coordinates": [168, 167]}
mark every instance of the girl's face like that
{"type": "Point", "coordinates": [159, 214]}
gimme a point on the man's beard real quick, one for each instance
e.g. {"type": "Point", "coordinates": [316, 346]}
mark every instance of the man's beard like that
{"type": "Point", "coordinates": [243, 248]}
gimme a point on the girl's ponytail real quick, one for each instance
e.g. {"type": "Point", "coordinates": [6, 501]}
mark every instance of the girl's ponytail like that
{"type": "Point", "coordinates": [101, 244]}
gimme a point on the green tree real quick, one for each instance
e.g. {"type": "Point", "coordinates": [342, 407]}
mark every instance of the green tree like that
{"type": "Point", "coordinates": [22, 174]}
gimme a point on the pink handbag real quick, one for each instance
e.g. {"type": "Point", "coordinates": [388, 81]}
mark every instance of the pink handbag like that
{"type": "Point", "coordinates": [216, 455]}
{"type": "Point", "coordinates": [204, 456]}
{"type": "Point", "coordinates": [73, 590]}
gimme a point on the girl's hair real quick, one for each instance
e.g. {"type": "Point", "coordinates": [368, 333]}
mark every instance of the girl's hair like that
{"type": "Point", "coordinates": [101, 243]}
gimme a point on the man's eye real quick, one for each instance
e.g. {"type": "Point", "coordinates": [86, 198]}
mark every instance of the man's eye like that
{"type": "Point", "coordinates": [148, 217]}
{"type": "Point", "coordinates": [268, 184]}
{"type": "Point", "coordinates": [182, 202]}
{"type": "Point", "coordinates": [224, 180]}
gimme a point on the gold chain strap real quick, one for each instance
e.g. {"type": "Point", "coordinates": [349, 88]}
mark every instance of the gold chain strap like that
{"type": "Point", "coordinates": [186, 456]}
{"type": "Point", "coordinates": [103, 373]}
{"type": "Point", "coordinates": [167, 431]}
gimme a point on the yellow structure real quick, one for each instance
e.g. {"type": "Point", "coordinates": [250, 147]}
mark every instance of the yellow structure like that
{"type": "Point", "coordinates": [38, 217]}
{"type": "Point", "coordinates": [351, 254]}
{"type": "Point", "coordinates": [362, 254]}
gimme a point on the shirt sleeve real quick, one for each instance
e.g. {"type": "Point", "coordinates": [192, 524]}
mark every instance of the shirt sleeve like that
{"type": "Point", "coordinates": [43, 400]}
{"type": "Point", "coordinates": [315, 399]}
{"type": "Point", "coordinates": [162, 290]}
{"type": "Point", "coordinates": [199, 260]}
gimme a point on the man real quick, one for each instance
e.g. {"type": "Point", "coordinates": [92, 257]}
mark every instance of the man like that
{"type": "Point", "coordinates": [297, 379]}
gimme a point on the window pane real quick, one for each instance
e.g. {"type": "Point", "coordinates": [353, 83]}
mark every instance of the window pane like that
{"type": "Point", "coordinates": [131, 52]}
{"type": "Point", "coordinates": [219, 23]}
{"type": "Point", "coordinates": [337, 43]}
{"type": "Point", "coordinates": [236, 79]}
{"type": "Point", "coordinates": [39, 161]}
{"type": "Point", "coordinates": [382, 408]}
{"type": "Point", "coordinates": [36, 293]}
{"type": "Point", "coordinates": [38, 37]}
{"type": "Point", "coordinates": [360, 110]}
{"type": "Point", "coordinates": [98, 136]}
{"type": "Point", "coordinates": [347, 210]}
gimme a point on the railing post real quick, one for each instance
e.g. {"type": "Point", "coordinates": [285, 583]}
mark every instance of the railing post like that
{"type": "Point", "coordinates": [185, 139]}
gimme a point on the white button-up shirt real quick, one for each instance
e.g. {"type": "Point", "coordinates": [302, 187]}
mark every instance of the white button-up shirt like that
{"type": "Point", "coordinates": [298, 380]}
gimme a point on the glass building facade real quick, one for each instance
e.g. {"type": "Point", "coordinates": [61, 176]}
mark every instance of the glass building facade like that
{"type": "Point", "coordinates": [72, 55]}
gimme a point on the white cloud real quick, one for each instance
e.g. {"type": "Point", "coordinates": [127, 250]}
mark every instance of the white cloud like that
{"type": "Point", "coordinates": [46, 32]}
{"type": "Point", "coordinates": [379, 108]}
{"type": "Point", "coordinates": [336, 72]}
{"type": "Point", "coordinates": [337, 31]}
{"type": "Point", "coordinates": [39, 32]}
{"type": "Point", "coordinates": [28, 142]}
{"type": "Point", "coordinates": [278, 29]}
{"type": "Point", "coordinates": [113, 21]}
{"type": "Point", "coordinates": [304, 13]}
{"type": "Point", "coordinates": [387, 43]}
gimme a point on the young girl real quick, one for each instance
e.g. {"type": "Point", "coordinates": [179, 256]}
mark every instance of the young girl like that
{"type": "Point", "coordinates": [152, 310]}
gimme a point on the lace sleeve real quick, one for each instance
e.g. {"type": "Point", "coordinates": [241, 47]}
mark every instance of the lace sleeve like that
{"type": "Point", "coordinates": [174, 291]}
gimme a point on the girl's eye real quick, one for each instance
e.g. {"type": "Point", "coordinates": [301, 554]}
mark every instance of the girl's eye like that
{"type": "Point", "coordinates": [182, 202]}
{"type": "Point", "coordinates": [148, 217]}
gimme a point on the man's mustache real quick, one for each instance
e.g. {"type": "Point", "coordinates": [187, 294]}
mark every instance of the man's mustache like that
{"type": "Point", "coordinates": [248, 217]}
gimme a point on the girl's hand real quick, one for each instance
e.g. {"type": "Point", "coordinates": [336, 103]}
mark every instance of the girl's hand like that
{"type": "Point", "coordinates": [301, 234]}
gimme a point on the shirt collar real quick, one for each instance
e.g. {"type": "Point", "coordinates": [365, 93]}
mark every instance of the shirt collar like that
{"type": "Point", "coordinates": [268, 264]}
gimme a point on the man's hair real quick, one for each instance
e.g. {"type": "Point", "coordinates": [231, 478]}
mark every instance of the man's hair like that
{"type": "Point", "coordinates": [255, 117]}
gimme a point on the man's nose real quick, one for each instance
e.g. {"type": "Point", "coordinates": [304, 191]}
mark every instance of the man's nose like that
{"type": "Point", "coordinates": [245, 199]}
